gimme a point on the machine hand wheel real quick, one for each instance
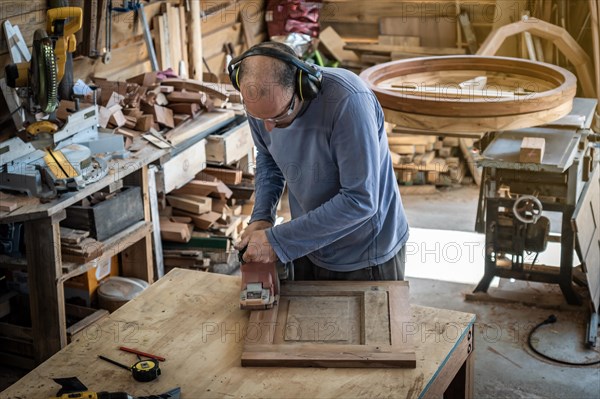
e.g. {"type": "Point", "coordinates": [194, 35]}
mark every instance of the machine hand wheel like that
{"type": "Point", "coordinates": [527, 209]}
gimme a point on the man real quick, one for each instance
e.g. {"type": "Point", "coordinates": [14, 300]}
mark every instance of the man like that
{"type": "Point", "coordinates": [347, 217]}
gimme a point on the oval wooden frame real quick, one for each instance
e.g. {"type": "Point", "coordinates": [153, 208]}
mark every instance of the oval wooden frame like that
{"type": "Point", "coordinates": [565, 82]}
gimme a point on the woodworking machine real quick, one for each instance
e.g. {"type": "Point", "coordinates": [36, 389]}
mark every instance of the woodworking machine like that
{"type": "Point", "coordinates": [43, 156]}
{"type": "Point", "coordinates": [518, 201]}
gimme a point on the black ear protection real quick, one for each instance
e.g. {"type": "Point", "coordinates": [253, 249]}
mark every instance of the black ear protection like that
{"type": "Point", "coordinates": [308, 78]}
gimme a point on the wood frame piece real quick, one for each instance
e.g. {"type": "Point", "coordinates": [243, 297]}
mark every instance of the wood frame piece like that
{"type": "Point", "coordinates": [474, 113]}
{"type": "Point", "coordinates": [553, 33]}
{"type": "Point", "coordinates": [384, 310]}
{"type": "Point", "coordinates": [562, 81]}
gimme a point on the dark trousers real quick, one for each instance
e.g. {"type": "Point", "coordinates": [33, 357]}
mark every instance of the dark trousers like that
{"type": "Point", "coordinates": [393, 269]}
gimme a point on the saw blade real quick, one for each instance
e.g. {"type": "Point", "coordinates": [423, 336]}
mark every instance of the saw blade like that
{"type": "Point", "coordinates": [44, 72]}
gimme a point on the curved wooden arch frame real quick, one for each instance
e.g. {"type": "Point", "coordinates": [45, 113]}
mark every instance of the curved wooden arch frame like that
{"type": "Point", "coordinates": [476, 125]}
{"type": "Point", "coordinates": [557, 35]}
{"type": "Point", "coordinates": [564, 81]}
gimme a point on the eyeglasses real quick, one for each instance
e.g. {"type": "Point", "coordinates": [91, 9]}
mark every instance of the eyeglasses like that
{"type": "Point", "coordinates": [279, 117]}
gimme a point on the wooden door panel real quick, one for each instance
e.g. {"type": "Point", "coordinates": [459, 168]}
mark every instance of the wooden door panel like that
{"type": "Point", "coordinates": [332, 324]}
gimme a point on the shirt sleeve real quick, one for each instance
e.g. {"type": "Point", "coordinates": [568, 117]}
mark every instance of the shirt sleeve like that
{"type": "Point", "coordinates": [268, 182]}
{"type": "Point", "coordinates": [355, 150]}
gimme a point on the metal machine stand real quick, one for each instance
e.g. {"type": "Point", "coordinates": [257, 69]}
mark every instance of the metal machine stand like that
{"type": "Point", "coordinates": [555, 185]}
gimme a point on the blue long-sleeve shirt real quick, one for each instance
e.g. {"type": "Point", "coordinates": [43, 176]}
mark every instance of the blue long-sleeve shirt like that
{"type": "Point", "coordinates": [344, 200]}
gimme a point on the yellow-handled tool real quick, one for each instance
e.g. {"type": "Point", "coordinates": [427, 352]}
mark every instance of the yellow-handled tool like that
{"type": "Point", "coordinates": [64, 32]}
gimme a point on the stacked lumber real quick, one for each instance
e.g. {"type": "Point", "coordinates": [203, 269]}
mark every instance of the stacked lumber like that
{"type": "Point", "coordinates": [176, 229]}
{"type": "Point", "coordinates": [420, 159]}
{"type": "Point", "coordinates": [6, 205]}
{"type": "Point", "coordinates": [77, 246]}
{"type": "Point", "coordinates": [154, 108]}
{"type": "Point", "coordinates": [433, 23]}
{"type": "Point", "coordinates": [397, 47]}
{"type": "Point", "coordinates": [169, 31]}
{"type": "Point", "coordinates": [209, 207]}
{"type": "Point", "coordinates": [144, 102]}
{"type": "Point", "coordinates": [187, 259]}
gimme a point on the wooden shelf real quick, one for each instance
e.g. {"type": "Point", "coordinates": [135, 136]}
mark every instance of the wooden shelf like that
{"type": "Point", "coordinates": [111, 247]}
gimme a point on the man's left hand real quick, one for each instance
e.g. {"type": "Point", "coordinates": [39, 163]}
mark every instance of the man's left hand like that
{"type": "Point", "coordinates": [259, 248]}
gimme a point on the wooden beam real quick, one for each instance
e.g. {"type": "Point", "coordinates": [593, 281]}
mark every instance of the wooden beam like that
{"type": "Point", "coordinates": [330, 39]}
{"type": "Point", "coordinates": [595, 20]}
{"type": "Point", "coordinates": [228, 176]}
{"type": "Point", "coordinates": [183, 40]}
{"type": "Point", "coordinates": [532, 149]}
{"type": "Point", "coordinates": [46, 295]}
{"type": "Point", "coordinates": [204, 188]}
{"type": "Point", "coordinates": [468, 31]}
{"type": "Point", "coordinates": [387, 48]}
{"type": "Point", "coordinates": [137, 260]}
{"type": "Point", "coordinates": [191, 203]}
{"type": "Point", "coordinates": [196, 41]}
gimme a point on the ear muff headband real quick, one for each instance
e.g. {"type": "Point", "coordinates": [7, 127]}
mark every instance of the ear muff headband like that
{"type": "Point", "coordinates": [300, 84]}
{"type": "Point", "coordinates": [311, 80]}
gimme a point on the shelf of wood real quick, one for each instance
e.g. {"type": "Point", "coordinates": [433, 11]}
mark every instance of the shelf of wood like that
{"type": "Point", "coordinates": [46, 269]}
{"type": "Point", "coordinates": [111, 247]}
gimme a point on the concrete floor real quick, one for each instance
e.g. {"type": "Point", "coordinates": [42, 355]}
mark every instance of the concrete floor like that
{"type": "Point", "coordinates": [504, 366]}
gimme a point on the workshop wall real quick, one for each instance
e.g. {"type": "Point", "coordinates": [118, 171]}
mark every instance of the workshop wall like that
{"type": "Point", "coordinates": [222, 23]}
{"type": "Point", "coordinates": [359, 21]}
{"type": "Point", "coordinates": [28, 15]}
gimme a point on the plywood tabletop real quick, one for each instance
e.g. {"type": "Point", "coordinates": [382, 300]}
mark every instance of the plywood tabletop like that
{"type": "Point", "coordinates": [193, 319]}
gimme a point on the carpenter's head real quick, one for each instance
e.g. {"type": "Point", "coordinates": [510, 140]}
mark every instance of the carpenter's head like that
{"type": "Point", "coordinates": [267, 85]}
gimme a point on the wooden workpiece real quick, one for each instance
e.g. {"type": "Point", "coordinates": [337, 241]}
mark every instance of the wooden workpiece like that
{"type": "Point", "coordinates": [532, 149]}
{"type": "Point", "coordinates": [553, 33]}
{"type": "Point", "coordinates": [193, 320]}
{"type": "Point", "coordinates": [333, 324]}
{"type": "Point", "coordinates": [492, 93]}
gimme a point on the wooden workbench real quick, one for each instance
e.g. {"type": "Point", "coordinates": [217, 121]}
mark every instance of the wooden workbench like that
{"type": "Point", "coordinates": [193, 319]}
{"type": "Point", "coordinates": [45, 268]}
{"type": "Point", "coordinates": [47, 271]}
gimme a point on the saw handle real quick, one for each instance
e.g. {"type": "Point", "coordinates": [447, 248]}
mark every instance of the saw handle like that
{"type": "Point", "coordinates": [75, 15]}
{"type": "Point", "coordinates": [75, 22]}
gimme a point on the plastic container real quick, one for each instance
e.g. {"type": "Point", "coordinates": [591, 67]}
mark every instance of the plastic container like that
{"type": "Point", "coordinates": [117, 291]}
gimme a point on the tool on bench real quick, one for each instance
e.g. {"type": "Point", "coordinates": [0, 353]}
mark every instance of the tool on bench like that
{"type": "Point", "coordinates": [260, 284]}
{"type": "Point", "coordinates": [142, 370]}
{"type": "Point", "coordinates": [72, 388]}
{"type": "Point", "coordinates": [42, 156]}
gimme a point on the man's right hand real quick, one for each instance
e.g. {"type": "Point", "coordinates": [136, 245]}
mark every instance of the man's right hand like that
{"type": "Point", "coordinates": [252, 227]}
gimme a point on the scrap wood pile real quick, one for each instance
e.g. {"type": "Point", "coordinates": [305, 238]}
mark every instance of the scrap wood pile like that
{"type": "Point", "coordinates": [145, 103]}
{"type": "Point", "coordinates": [200, 220]}
{"type": "Point", "coordinates": [391, 31]}
{"type": "Point", "coordinates": [431, 160]}
{"type": "Point", "coordinates": [77, 246]}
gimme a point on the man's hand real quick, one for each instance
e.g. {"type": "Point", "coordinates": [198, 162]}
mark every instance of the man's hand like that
{"type": "Point", "coordinates": [259, 248]}
{"type": "Point", "coordinates": [252, 227]}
